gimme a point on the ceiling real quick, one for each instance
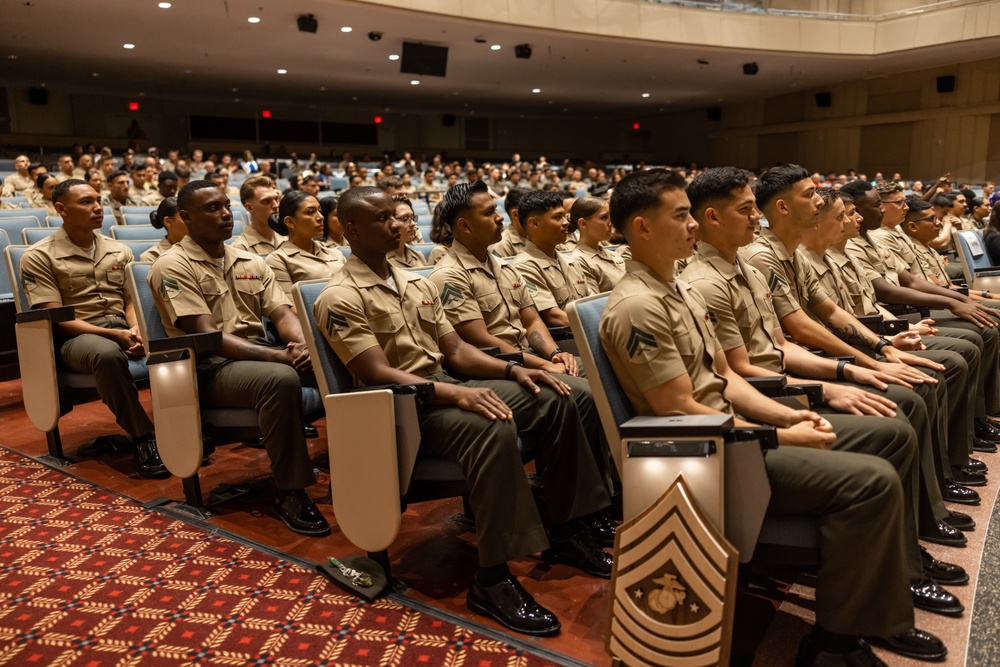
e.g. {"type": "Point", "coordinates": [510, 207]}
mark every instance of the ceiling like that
{"type": "Point", "coordinates": [206, 49]}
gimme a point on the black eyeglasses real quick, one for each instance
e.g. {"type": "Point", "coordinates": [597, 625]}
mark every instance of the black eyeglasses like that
{"type": "Point", "coordinates": [407, 218]}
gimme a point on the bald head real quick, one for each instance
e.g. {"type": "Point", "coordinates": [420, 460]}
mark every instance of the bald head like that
{"type": "Point", "coordinates": [355, 201]}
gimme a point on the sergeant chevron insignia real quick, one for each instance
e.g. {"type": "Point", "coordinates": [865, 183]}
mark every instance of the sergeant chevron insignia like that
{"type": "Point", "coordinates": [776, 282]}
{"type": "Point", "coordinates": [451, 296]}
{"type": "Point", "coordinates": [335, 322]}
{"type": "Point", "coordinates": [638, 338]}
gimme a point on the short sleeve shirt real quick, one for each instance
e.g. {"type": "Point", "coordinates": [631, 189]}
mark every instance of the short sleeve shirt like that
{"type": "Point", "coordinates": [154, 252]}
{"type": "Point", "coordinates": [291, 264]}
{"type": "Point", "coordinates": [860, 296]}
{"type": "Point", "coordinates": [739, 305]}
{"type": "Point", "coordinates": [252, 241]}
{"type": "Point", "coordinates": [56, 270]}
{"type": "Point", "coordinates": [186, 281]}
{"type": "Point", "coordinates": [409, 259]}
{"type": "Point", "coordinates": [876, 262]}
{"type": "Point", "coordinates": [655, 332]}
{"type": "Point", "coordinates": [929, 265]}
{"type": "Point", "coordinates": [492, 291]}
{"type": "Point", "coordinates": [358, 311]}
{"type": "Point", "coordinates": [509, 245]}
{"type": "Point", "coordinates": [896, 242]}
{"type": "Point", "coordinates": [793, 283]}
{"type": "Point", "coordinates": [552, 282]}
{"type": "Point", "coordinates": [601, 268]}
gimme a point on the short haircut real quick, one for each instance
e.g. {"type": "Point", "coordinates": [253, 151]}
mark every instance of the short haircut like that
{"type": "Point", "coordinates": [137, 167]}
{"type": "Point", "coordinates": [288, 207]}
{"type": "Point", "coordinates": [857, 190]}
{"type": "Point", "coordinates": [777, 180]}
{"type": "Point", "coordinates": [715, 186]}
{"type": "Point", "coordinates": [353, 199]}
{"type": "Point", "coordinates": [182, 172]}
{"type": "Point", "coordinates": [217, 175]}
{"type": "Point", "coordinates": [513, 198]}
{"type": "Point", "coordinates": [251, 184]}
{"type": "Point", "coordinates": [104, 160]}
{"type": "Point", "coordinates": [458, 199]}
{"type": "Point", "coordinates": [640, 191]}
{"type": "Point", "coordinates": [389, 182]}
{"type": "Point", "coordinates": [915, 207]}
{"type": "Point", "coordinates": [41, 178]}
{"type": "Point", "coordinates": [167, 176]}
{"type": "Point", "coordinates": [888, 187]}
{"type": "Point", "coordinates": [941, 201]}
{"type": "Point", "coordinates": [536, 202]}
{"type": "Point", "coordinates": [401, 198]}
{"type": "Point", "coordinates": [829, 195]}
{"type": "Point", "coordinates": [61, 190]}
{"type": "Point", "coordinates": [187, 192]}
{"type": "Point", "coordinates": [167, 208]}
{"type": "Point", "coordinates": [117, 174]}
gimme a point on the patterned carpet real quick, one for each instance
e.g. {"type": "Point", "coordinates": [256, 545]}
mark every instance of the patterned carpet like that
{"type": "Point", "coordinates": [88, 578]}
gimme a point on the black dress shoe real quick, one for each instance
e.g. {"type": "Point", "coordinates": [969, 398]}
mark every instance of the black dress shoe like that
{"type": "Point", "coordinates": [943, 573]}
{"type": "Point", "coordinates": [256, 443]}
{"type": "Point", "coordinates": [980, 445]}
{"type": "Point", "coordinates": [915, 644]}
{"type": "Point", "coordinates": [148, 459]}
{"type": "Point", "coordinates": [310, 431]}
{"type": "Point", "coordinates": [968, 478]}
{"type": "Point", "coordinates": [956, 493]}
{"type": "Point", "coordinates": [928, 596]}
{"type": "Point", "coordinates": [582, 552]}
{"type": "Point", "coordinates": [511, 606]}
{"type": "Point", "coordinates": [601, 528]}
{"type": "Point", "coordinates": [946, 535]}
{"type": "Point", "coordinates": [975, 465]}
{"type": "Point", "coordinates": [960, 520]}
{"type": "Point", "coordinates": [300, 513]}
{"type": "Point", "coordinates": [983, 428]}
{"type": "Point", "coordinates": [811, 655]}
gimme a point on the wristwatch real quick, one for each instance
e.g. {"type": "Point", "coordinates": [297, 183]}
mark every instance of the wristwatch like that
{"type": "Point", "coordinates": [882, 342]}
{"type": "Point", "coordinates": [554, 353]}
{"type": "Point", "coordinates": [510, 366]}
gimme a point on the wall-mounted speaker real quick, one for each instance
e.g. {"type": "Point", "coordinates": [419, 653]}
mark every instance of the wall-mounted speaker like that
{"type": "Point", "coordinates": [946, 84]}
{"type": "Point", "coordinates": [824, 100]}
{"type": "Point", "coordinates": [714, 113]}
{"type": "Point", "coordinates": [38, 96]}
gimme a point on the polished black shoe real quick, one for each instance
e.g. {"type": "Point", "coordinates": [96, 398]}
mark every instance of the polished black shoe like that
{"type": "Point", "coordinates": [256, 443]}
{"type": "Point", "coordinates": [310, 432]}
{"type": "Point", "coordinates": [943, 573]}
{"type": "Point", "coordinates": [582, 552]}
{"type": "Point", "coordinates": [980, 445]}
{"type": "Point", "coordinates": [915, 644]}
{"type": "Point", "coordinates": [928, 596]}
{"type": "Point", "coordinates": [956, 493]}
{"type": "Point", "coordinates": [983, 428]}
{"type": "Point", "coordinates": [601, 528]}
{"type": "Point", "coordinates": [300, 513]}
{"type": "Point", "coordinates": [811, 655]}
{"type": "Point", "coordinates": [946, 535]}
{"type": "Point", "coordinates": [960, 520]}
{"type": "Point", "coordinates": [511, 606]}
{"type": "Point", "coordinates": [148, 459]}
{"type": "Point", "coordinates": [975, 465]}
{"type": "Point", "coordinates": [968, 478]}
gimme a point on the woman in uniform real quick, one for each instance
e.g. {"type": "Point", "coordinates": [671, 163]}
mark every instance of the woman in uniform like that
{"type": "Point", "coordinates": [601, 267]}
{"type": "Point", "coordinates": [302, 256]}
{"type": "Point", "coordinates": [165, 217]}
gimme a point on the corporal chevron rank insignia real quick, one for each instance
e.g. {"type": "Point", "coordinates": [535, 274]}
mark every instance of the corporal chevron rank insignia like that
{"type": "Point", "coordinates": [335, 322]}
{"type": "Point", "coordinates": [451, 296]}
{"type": "Point", "coordinates": [776, 282]}
{"type": "Point", "coordinates": [169, 287]}
{"type": "Point", "coordinates": [28, 280]}
{"type": "Point", "coordinates": [532, 287]}
{"type": "Point", "coordinates": [639, 342]}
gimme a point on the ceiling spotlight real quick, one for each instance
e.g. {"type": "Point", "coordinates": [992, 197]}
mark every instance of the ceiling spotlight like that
{"type": "Point", "coordinates": [12, 56]}
{"type": "Point", "coordinates": [645, 95]}
{"type": "Point", "coordinates": [393, 56]}
{"type": "Point", "coordinates": [253, 19]}
{"type": "Point", "coordinates": [95, 74]}
{"type": "Point", "coordinates": [415, 82]}
{"type": "Point", "coordinates": [495, 47]}
{"type": "Point", "coordinates": [307, 23]}
{"type": "Point", "coordinates": [346, 28]}
{"type": "Point", "coordinates": [750, 69]}
{"type": "Point", "coordinates": [375, 35]}
{"type": "Point", "coordinates": [522, 51]}
{"type": "Point", "coordinates": [129, 46]}
{"type": "Point", "coordinates": [282, 71]}
{"type": "Point", "coordinates": [536, 90]}
{"type": "Point", "coordinates": [164, 5]}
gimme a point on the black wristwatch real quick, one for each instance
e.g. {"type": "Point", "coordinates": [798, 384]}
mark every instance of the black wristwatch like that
{"type": "Point", "coordinates": [510, 366]}
{"type": "Point", "coordinates": [554, 353]}
{"type": "Point", "coordinates": [882, 342]}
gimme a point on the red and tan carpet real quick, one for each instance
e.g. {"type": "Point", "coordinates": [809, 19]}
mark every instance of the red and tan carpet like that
{"type": "Point", "coordinates": [88, 578]}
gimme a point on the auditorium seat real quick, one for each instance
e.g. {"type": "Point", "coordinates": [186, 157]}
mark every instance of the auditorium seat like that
{"type": "Point", "coordinates": [136, 233]}
{"type": "Point", "coordinates": [140, 219]}
{"type": "Point", "coordinates": [14, 226]}
{"type": "Point", "coordinates": [424, 249]}
{"type": "Point", "coordinates": [37, 213]}
{"type": "Point", "coordinates": [32, 235]}
{"type": "Point", "coordinates": [980, 274]}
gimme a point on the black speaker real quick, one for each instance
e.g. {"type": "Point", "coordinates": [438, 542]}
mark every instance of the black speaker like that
{"type": "Point", "coordinates": [38, 96]}
{"type": "Point", "coordinates": [824, 100]}
{"type": "Point", "coordinates": [424, 59]}
{"type": "Point", "coordinates": [714, 113]}
{"type": "Point", "coordinates": [946, 84]}
{"type": "Point", "coordinates": [448, 120]}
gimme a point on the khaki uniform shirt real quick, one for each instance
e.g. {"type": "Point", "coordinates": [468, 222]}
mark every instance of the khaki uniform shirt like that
{"type": "Point", "coordinates": [433, 192]}
{"type": "Point", "coordinates": [137, 193]}
{"type": "Point", "coordinates": [409, 259]}
{"type": "Point", "coordinates": [875, 262]}
{"type": "Point", "coordinates": [509, 244]}
{"type": "Point", "coordinates": [56, 270]}
{"type": "Point", "coordinates": [898, 243]}
{"type": "Point", "coordinates": [153, 198]}
{"type": "Point", "coordinates": [185, 280]}
{"type": "Point", "coordinates": [437, 254]}
{"type": "Point", "coordinates": [739, 305]}
{"type": "Point", "coordinates": [251, 241]}
{"type": "Point", "coordinates": [358, 311]}
{"type": "Point", "coordinates": [330, 243]}
{"type": "Point", "coordinates": [46, 205]}
{"type": "Point", "coordinates": [492, 291]}
{"type": "Point", "coordinates": [291, 264]}
{"type": "Point", "coordinates": [15, 184]}
{"type": "Point", "coordinates": [860, 296]}
{"type": "Point", "coordinates": [571, 242]}
{"type": "Point", "coordinates": [792, 282]}
{"type": "Point", "coordinates": [62, 176]}
{"type": "Point", "coordinates": [157, 250]}
{"type": "Point", "coordinates": [116, 206]}
{"type": "Point", "coordinates": [829, 278]}
{"type": "Point", "coordinates": [928, 264]}
{"type": "Point", "coordinates": [551, 282]}
{"type": "Point", "coordinates": [655, 332]}
{"type": "Point", "coordinates": [602, 269]}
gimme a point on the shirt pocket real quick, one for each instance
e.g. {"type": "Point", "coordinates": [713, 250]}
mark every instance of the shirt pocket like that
{"type": "Point", "coordinates": [386, 327]}
{"type": "Point", "coordinates": [72, 284]}
{"type": "Point", "coordinates": [561, 294]}
{"type": "Point", "coordinates": [428, 320]}
{"type": "Point", "coordinates": [216, 295]}
{"type": "Point", "coordinates": [488, 302]}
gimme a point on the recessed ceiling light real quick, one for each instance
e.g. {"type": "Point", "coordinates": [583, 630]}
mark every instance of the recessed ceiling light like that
{"type": "Point", "coordinates": [415, 82]}
{"type": "Point", "coordinates": [253, 19]}
{"type": "Point", "coordinates": [322, 89]}
{"type": "Point", "coordinates": [95, 74]}
{"type": "Point", "coordinates": [164, 5]}
{"type": "Point", "coordinates": [536, 90]}
{"type": "Point", "coordinates": [187, 71]}
{"type": "Point", "coordinates": [346, 28]}
{"type": "Point", "coordinates": [393, 56]}
{"type": "Point", "coordinates": [645, 94]}
{"type": "Point", "coordinates": [129, 46]}
{"type": "Point", "coordinates": [495, 47]}
{"type": "Point", "coordinates": [236, 90]}
{"type": "Point", "coordinates": [12, 56]}
{"type": "Point", "coordinates": [282, 71]}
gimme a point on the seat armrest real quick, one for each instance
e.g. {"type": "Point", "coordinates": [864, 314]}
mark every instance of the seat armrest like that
{"type": "Point", "coordinates": [766, 436]}
{"type": "Point", "coordinates": [560, 333]}
{"type": "Point", "coordinates": [818, 352]}
{"type": "Point", "coordinates": [963, 290]}
{"type": "Point", "coordinates": [986, 273]}
{"type": "Point", "coordinates": [771, 385]}
{"type": "Point", "coordinates": [512, 356]}
{"type": "Point", "coordinates": [812, 392]}
{"type": "Point", "coordinates": [900, 309]}
{"type": "Point", "coordinates": [492, 351]}
{"type": "Point", "coordinates": [678, 426]}
{"type": "Point", "coordinates": [423, 391]}
{"type": "Point", "coordinates": [201, 343]}
{"type": "Point", "coordinates": [893, 327]}
{"type": "Point", "coordinates": [873, 322]}
{"type": "Point", "coordinates": [53, 315]}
